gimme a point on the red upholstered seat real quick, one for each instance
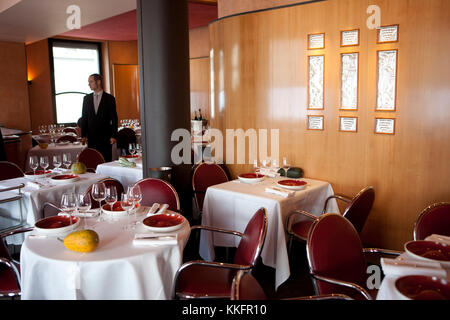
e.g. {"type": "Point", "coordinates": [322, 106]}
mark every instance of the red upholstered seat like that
{"type": "Point", "coordinates": [125, 136]}
{"type": "Point", "coordinates": [67, 138]}
{"type": "Point", "coordinates": [301, 229]}
{"type": "Point", "coordinates": [108, 183]}
{"type": "Point", "coordinates": [158, 191]}
{"type": "Point", "coordinates": [91, 158]}
{"type": "Point", "coordinates": [435, 219]}
{"type": "Point", "coordinates": [205, 279]}
{"type": "Point", "coordinates": [9, 170]}
{"type": "Point", "coordinates": [204, 176]}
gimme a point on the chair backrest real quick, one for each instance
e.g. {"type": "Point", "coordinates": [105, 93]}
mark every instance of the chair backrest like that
{"type": "Point", "coordinates": [158, 191]}
{"type": "Point", "coordinates": [9, 170]}
{"type": "Point", "coordinates": [108, 183]}
{"type": "Point", "coordinates": [358, 210]}
{"type": "Point", "coordinates": [435, 219]}
{"type": "Point", "coordinates": [246, 287]}
{"type": "Point", "coordinates": [70, 130]}
{"type": "Point", "coordinates": [67, 138]}
{"type": "Point", "coordinates": [252, 242]}
{"type": "Point", "coordinates": [125, 136]}
{"type": "Point", "coordinates": [334, 250]}
{"type": "Point", "coordinates": [91, 158]}
{"type": "Point", "coordinates": [204, 176]}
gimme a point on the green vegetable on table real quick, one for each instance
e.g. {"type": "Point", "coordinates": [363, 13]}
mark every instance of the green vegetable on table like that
{"type": "Point", "coordinates": [125, 163]}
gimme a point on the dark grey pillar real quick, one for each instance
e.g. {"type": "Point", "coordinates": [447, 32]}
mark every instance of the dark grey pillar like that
{"type": "Point", "coordinates": [163, 40]}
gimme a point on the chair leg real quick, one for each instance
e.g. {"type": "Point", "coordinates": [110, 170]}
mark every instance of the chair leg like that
{"type": "Point", "coordinates": [290, 245]}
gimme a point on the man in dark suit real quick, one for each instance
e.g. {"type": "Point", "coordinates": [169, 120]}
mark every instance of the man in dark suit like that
{"type": "Point", "coordinates": [99, 118]}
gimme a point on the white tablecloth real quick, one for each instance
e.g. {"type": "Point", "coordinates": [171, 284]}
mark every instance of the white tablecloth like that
{"type": "Point", "coordinates": [52, 150]}
{"type": "Point", "coordinates": [117, 269]}
{"type": "Point", "coordinates": [387, 289]}
{"type": "Point", "coordinates": [127, 176]}
{"type": "Point", "coordinates": [34, 199]}
{"type": "Point", "coordinates": [231, 205]}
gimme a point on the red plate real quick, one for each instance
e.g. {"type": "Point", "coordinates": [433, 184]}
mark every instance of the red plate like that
{"type": "Point", "coordinates": [65, 177]}
{"type": "Point", "coordinates": [129, 156]}
{"type": "Point", "coordinates": [292, 183]}
{"type": "Point", "coordinates": [429, 250]}
{"type": "Point", "coordinates": [423, 288]}
{"type": "Point", "coordinates": [163, 220]}
{"type": "Point", "coordinates": [55, 222]}
{"type": "Point", "coordinates": [38, 172]}
{"type": "Point", "coordinates": [251, 176]}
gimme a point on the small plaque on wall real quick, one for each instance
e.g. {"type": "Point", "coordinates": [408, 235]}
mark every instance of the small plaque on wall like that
{"type": "Point", "coordinates": [388, 34]}
{"type": "Point", "coordinates": [316, 82]}
{"type": "Point", "coordinates": [350, 38]}
{"type": "Point", "coordinates": [316, 41]}
{"type": "Point", "coordinates": [386, 80]}
{"type": "Point", "coordinates": [315, 122]}
{"type": "Point", "coordinates": [348, 124]}
{"type": "Point", "coordinates": [385, 125]}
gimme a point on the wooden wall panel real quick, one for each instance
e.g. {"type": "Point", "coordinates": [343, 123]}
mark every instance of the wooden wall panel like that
{"type": "Point", "coordinates": [199, 74]}
{"type": "Point", "coordinates": [126, 88]}
{"type": "Point", "coordinates": [199, 42]}
{"type": "Point", "coordinates": [260, 81]}
{"type": "Point", "coordinates": [229, 7]}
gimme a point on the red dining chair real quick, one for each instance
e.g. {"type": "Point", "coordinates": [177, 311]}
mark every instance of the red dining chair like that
{"type": "Point", "coordinates": [70, 130]}
{"type": "Point", "coordinates": [356, 212]}
{"type": "Point", "coordinates": [9, 170]}
{"type": "Point", "coordinates": [67, 138]}
{"type": "Point", "coordinates": [434, 219]}
{"type": "Point", "coordinates": [109, 182]}
{"type": "Point", "coordinates": [206, 279]}
{"type": "Point", "coordinates": [9, 268]}
{"type": "Point", "coordinates": [158, 191]}
{"type": "Point", "coordinates": [204, 176]}
{"type": "Point", "coordinates": [336, 258]}
{"type": "Point", "coordinates": [125, 136]}
{"type": "Point", "coordinates": [246, 287]}
{"type": "Point", "coordinates": [91, 159]}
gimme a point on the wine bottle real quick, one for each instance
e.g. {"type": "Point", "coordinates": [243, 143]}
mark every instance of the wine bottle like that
{"type": "Point", "coordinates": [195, 113]}
{"type": "Point", "coordinates": [200, 114]}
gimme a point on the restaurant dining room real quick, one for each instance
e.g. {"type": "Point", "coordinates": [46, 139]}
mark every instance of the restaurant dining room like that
{"type": "Point", "coordinates": [204, 152]}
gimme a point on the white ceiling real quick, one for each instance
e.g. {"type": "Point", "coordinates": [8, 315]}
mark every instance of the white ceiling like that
{"type": "Point", "coordinates": [32, 20]}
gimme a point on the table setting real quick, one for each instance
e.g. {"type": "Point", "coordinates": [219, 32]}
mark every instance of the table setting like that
{"type": "Point", "coordinates": [249, 192]}
{"type": "Point", "coordinates": [101, 256]}
{"type": "Point", "coordinates": [422, 272]}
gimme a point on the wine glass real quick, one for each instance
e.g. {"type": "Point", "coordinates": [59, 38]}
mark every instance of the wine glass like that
{"type": "Point", "coordinates": [99, 194]}
{"type": "Point", "coordinates": [255, 166]}
{"type": "Point", "coordinates": [57, 161]}
{"type": "Point", "coordinates": [44, 162]}
{"type": "Point", "coordinates": [111, 196]}
{"type": "Point", "coordinates": [34, 164]}
{"type": "Point", "coordinates": [135, 194]}
{"type": "Point", "coordinates": [83, 204]}
{"type": "Point", "coordinates": [138, 149]}
{"type": "Point", "coordinates": [132, 148]}
{"type": "Point", "coordinates": [67, 160]}
{"type": "Point", "coordinates": [286, 166]}
{"type": "Point", "coordinates": [127, 204]}
{"type": "Point", "coordinates": [69, 204]}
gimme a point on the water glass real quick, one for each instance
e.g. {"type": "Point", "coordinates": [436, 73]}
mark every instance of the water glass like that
{"type": "Point", "coordinates": [34, 163]}
{"type": "Point", "coordinates": [99, 194]}
{"type": "Point", "coordinates": [132, 149]}
{"type": "Point", "coordinates": [135, 195]}
{"type": "Point", "coordinates": [57, 161]}
{"type": "Point", "coordinates": [255, 166]}
{"type": "Point", "coordinates": [111, 196]}
{"type": "Point", "coordinates": [127, 204]}
{"type": "Point", "coordinates": [286, 166]}
{"type": "Point", "coordinates": [69, 204]}
{"type": "Point", "coordinates": [83, 204]}
{"type": "Point", "coordinates": [44, 162]}
{"type": "Point", "coordinates": [67, 160]}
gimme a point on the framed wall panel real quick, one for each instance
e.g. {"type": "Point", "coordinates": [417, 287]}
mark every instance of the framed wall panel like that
{"type": "Point", "coordinates": [348, 124]}
{"type": "Point", "coordinates": [316, 41]}
{"type": "Point", "coordinates": [316, 76]}
{"type": "Point", "coordinates": [388, 34]}
{"type": "Point", "coordinates": [385, 125]}
{"type": "Point", "coordinates": [386, 80]}
{"type": "Point", "coordinates": [315, 122]}
{"type": "Point", "coordinates": [350, 38]}
{"type": "Point", "coordinates": [349, 81]}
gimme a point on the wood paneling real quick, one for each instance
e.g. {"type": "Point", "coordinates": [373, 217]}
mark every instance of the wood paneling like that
{"type": "Point", "coordinates": [126, 88]}
{"type": "Point", "coordinates": [199, 42]}
{"type": "Point", "coordinates": [260, 81]}
{"type": "Point", "coordinates": [229, 7]}
{"type": "Point", "coordinates": [199, 74]}
{"type": "Point", "coordinates": [13, 86]}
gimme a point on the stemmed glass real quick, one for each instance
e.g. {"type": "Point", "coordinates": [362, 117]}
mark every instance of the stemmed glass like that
{"type": "Point", "coordinates": [135, 195]}
{"type": "Point", "coordinates": [138, 149]}
{"type": "Point", "coordinates": [57, 161]}
{"type": "Point", "coordinates": [99, 194]}
{"type": "Point", "coordinates": [83, 204]}
{"type": "Point", "coordinates": [111, 196]}
{"type": "Point", "coordinates": [44, 162]}
{"type": "Point", "coordinates": [132, 149]}
{"type": "Point", "coordinates": [67, 160]}
{"type": "Point", "coordinates": [127, 204]}
{"type": "Point", "coordinates": [69, 204]}
{"type": "Point", "coordinates": [255, 166]}
{"type": "Point", "coordinates": [34, 164]}
{"type": "Point", "coordinates": [286, 166]}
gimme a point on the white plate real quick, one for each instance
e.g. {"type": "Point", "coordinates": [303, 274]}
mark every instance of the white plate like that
{"type": "Point", "coordinates": [64, 181]}
{"type": "Point", "coordinates": [417, 250]}
{"type": "Point", "coordinates": [244, 178]}
{"type": "Point", "coordinates": [163, 217]}
{"type": "Point", "coordinates": [301, 187]}
{"type": "Point", "coordinates": [43, 226]}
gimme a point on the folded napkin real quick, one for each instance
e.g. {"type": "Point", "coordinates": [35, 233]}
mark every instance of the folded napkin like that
{"type": "Point", "coordinates": [270, 172]}
{"type": "Point", "coordinates": [398, 267]}
{"type": "Point", "coordinates": [84, 214]}
{"type": "Point", "coordinates": [154, 239]}
{"type": "Point", "coordinates": [439, 238]}
{"type": "Point", "coordinates": [280, 192]}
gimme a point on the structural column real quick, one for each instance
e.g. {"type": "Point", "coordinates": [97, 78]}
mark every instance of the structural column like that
{"type": "Point", "coordinates": [163, 40]}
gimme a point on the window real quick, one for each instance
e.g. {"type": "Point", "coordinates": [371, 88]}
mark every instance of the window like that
{"type": "Point", "coordinates": [73, 62]}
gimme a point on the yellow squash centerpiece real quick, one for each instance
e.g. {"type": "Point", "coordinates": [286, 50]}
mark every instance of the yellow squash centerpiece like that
{"type": "Point", "coordinates": [78, 168]}
{"type": "Point", "coordinates": [82, 241]}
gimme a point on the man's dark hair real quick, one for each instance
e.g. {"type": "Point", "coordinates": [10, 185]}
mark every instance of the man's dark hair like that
{"type": "Point", "coordinates": [97, 77]}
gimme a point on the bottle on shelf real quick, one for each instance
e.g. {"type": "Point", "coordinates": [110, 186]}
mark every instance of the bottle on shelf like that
{"type": "Point", "coordinates": [195, 113]}
{"type": "Point", "coordinates": [200, 114]}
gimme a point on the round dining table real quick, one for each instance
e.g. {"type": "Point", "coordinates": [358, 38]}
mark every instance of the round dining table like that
{"type": "Point", "coordinates": [119, 269]}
